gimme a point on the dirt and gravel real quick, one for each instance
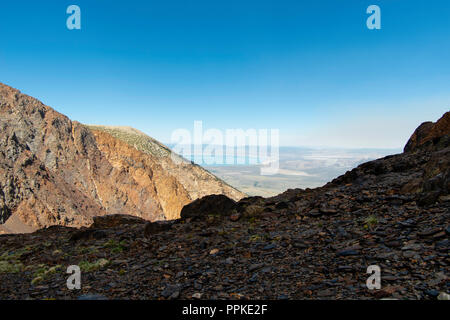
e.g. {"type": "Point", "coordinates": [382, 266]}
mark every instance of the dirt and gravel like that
{"type": "Point", "coordinates": [393, 212]}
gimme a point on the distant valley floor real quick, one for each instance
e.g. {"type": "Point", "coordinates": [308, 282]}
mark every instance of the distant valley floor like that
{"type": "Point", "coordinates": [299, 168]}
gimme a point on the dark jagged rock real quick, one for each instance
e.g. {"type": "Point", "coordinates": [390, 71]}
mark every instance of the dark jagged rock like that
{"type": "Point", "coordinates": [430, 135]}
{"type": "Point", "coordinates": [422, 171]}
{"type": "Point", "coordinates": [157, 227]}
{"type": "Point", "coordinates": [210, 205]}
{"type": "Point", "coordinates": [89, 234]}
{"type": "Point", "coordinates": [115, 220]}
{"type": "Point", "coordinates": [418, 136]}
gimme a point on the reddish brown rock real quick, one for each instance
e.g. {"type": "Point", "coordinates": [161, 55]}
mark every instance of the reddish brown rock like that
{"type": "Point", "coordinates": [429, 135]}
{"type": "Point", "coordinates": [54, 171]}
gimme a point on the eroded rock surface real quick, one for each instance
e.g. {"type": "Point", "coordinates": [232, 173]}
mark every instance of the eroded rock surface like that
{"type": "Point", "coordinates": [393, 212]}
{"type": "Point", "coordinates": [430, 135]}
{"type": "Point", "coordinates": [54, 171]}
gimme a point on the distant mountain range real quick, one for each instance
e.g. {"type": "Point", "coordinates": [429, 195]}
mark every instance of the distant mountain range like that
{"type": "Point", "coordinates": [54, 171]}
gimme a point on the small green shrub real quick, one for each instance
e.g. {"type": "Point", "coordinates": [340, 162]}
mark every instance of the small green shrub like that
{"type": "Point", "coordinates": [370, 222]}
{"type": "Point", "coordinates": [93, 266]}
{"type": "Point", "coordinates": [115, 246]}
{"type": "Point", "coordinates": [10, 267]}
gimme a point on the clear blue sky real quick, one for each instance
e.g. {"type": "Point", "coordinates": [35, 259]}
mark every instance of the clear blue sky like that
{"type": "Point", "coordinates": [309, 68]}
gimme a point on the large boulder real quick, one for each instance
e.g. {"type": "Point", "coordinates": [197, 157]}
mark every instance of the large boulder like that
{"type": "Point", "coordinates": [430, 135]}
{"type": "Point", "coordinates": [215, 204]}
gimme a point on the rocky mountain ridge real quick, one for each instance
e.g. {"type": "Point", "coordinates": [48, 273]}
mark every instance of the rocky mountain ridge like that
{"type": "Point", "coordinates": [393, 212]}
{"type": "Point", "coordinates": [54, 171]}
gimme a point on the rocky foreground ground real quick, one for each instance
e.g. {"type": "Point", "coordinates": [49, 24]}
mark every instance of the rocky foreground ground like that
{"type": "Point", "coordinates": [303, 244]}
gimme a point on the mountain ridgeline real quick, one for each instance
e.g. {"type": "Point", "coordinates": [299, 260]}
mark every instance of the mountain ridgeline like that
{"type": "Point", "coordinates": [393, 212]}
{"type": "Point", "coordinates": [54, 171]}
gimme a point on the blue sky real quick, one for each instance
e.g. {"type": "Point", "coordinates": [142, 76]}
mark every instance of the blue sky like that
{"type": "Point", "coordinates": [309, 68]}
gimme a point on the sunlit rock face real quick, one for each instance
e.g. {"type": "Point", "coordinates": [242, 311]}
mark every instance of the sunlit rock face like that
{"type": "Point", "coordinates": [54, 171]}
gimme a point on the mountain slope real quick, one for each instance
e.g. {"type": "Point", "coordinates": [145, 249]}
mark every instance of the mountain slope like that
{"type": "Point", "coordinates": [54, 171]}
{"type": "Point", "coordinates": [392, 212]}
{"type": "Point", "coordinates": [197, 181]}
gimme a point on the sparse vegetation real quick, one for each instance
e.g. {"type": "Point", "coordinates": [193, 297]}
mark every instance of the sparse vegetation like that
{"type": "Point", "coordinates": [10, 260]}
{"type": "Point", "coordinates": [135, 138]}
{"type": "Point", "coordinates": [370, 222]}
{"type": "Point", "coordinates": [43, 271]}
{"type": "Point", "coordinates": [8, 267]}
{"type": "Point", "coordinates": [93, 266]}
{"type": "Point", "coordinates": [115, 246]}
{"type": "Point", "coordinates": [37, 280]}
{"type": "Point", "coordinates": [87, 250]}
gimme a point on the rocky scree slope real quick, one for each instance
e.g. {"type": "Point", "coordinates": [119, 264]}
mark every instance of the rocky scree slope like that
{"type": "Point", "coordinates": [302, 244]}
{"type": "Point", "coordinates": [54, 171]}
